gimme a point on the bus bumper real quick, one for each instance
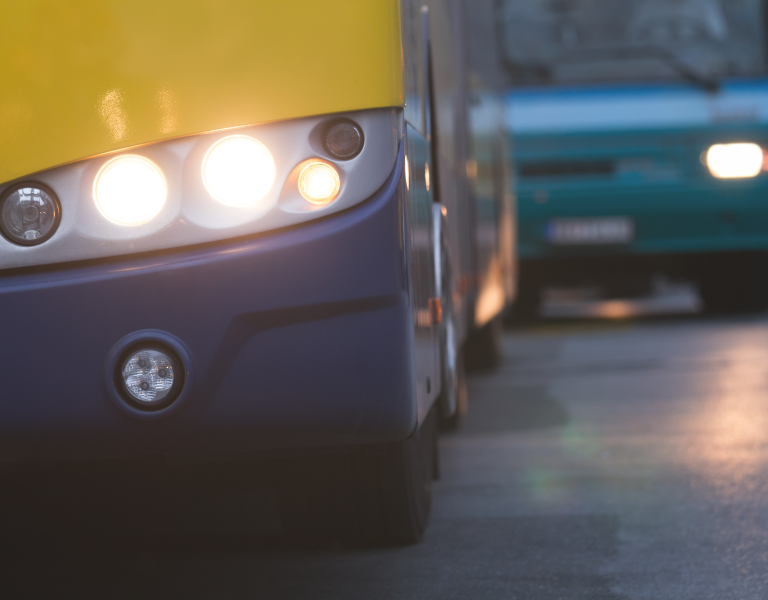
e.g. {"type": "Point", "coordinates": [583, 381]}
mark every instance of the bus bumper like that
{"type": "Point", "coordinates": [687, 218]}
{"type": "Point", "coordinates": [302, 337]}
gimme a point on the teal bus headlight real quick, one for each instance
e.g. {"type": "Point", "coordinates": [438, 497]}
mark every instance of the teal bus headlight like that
{"type": "Point", "coordinates": [734, 161]}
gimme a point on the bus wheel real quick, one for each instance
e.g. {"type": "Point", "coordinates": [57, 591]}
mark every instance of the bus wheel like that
{"type": "Point", "coordinates": [735, 283]}
{"type": "Point", "coordinates": [377, 496]}
{"type": "Point", "coordinates": [484, 347]}
{"type": "Point", "coordinates": [525, 308]}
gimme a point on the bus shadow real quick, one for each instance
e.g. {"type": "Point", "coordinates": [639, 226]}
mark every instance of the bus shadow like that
{"type": "Point", "coordinates": [547, 557]}
{"type": "Point", "coordinates": [123, 508]}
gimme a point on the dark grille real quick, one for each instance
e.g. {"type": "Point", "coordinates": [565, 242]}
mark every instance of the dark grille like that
{"type": "Point", "coordinates": [567, 169]}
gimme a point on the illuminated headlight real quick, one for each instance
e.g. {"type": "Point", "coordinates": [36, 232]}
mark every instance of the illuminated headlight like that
{"type": "Point", "coordinates": [130, 190]}
{"type": "Point", "coordinates": [151, 378]}
{"type": "Point", "coordinates": [319, 182]}
{"type": "Point", "coordinates": [29, 215]}
{"type": "Point", "coordinates": [238, 170]}
{"type": "Point", "coordinates": [731, 161]}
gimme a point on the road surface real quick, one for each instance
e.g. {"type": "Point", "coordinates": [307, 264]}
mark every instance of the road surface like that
{"type": "Point", "coordinates": [601, 461]}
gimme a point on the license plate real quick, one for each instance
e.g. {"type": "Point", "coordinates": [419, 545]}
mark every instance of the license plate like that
{"type": "Point", "coordinates": [607, 230]}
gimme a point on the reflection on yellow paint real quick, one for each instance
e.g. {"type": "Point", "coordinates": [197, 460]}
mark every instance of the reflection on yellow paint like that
{"type": "Point", "coordinates": [166, 102]}
{"type": "Point", "coordinates": [113, 114]}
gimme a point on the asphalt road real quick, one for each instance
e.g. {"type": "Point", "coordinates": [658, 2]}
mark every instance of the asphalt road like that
{"type": "Point", "coordinates": [602, 461]}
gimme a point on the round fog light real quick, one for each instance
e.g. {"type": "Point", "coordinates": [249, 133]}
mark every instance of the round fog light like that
{"type": "Point", "coordinates": [319, 182]}
{"type": "Point", "coordinates": [151, 378]}
{"type": "Point", "coordinates": [29, 215]}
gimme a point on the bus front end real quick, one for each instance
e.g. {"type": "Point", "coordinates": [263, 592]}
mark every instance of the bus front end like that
{"type": "Point", "coordinates": [202, 244]}
{"type": "Point", "coordinates": [640, 134]}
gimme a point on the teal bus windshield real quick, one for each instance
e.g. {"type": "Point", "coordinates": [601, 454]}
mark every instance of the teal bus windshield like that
{"type": "Point", "coordinates": [591, 41]}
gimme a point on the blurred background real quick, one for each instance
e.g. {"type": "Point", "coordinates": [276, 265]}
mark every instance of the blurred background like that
{"type": "Point", "coordinates": [638, 130]}
{"type": "Point", "coordinates": [603, 461]}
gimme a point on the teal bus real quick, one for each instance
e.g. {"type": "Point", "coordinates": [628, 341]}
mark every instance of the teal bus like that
{"type": "Point", "coordinates": [640, 130]}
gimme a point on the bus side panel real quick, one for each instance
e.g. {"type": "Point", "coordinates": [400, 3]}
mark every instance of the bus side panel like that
{"type": "Point", "coordinates": [489, 169]}
{"type": "Point", "coordinates": [423, 286]}
{"type": "Point", "coordinates": [420, 232]}
{"type": "Point", "coordinates": [494, 210]}
{"type": "Point", "coordinates": [448, 47]}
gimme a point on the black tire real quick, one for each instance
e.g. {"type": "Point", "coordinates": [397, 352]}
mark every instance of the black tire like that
{"type": "Point", "coordinates": [735, 283]}
{"type": "Point", "coordinates": [377, 496]}
{"type": "Point", "coordinates": [483, 350]}
{"type": "Point", "coordinates": [525, 307]}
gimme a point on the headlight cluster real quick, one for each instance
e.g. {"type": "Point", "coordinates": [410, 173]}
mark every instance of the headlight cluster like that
{"type": "Point", "coordinates": [131, 190]}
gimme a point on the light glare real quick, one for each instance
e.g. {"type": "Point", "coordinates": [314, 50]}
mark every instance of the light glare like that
{"type": "Point", "coordinates": [130, 190]}
{"type": "Point", "coordinates": [730, 161]}
{"type": "Point", "coordinates": [319, 182]}
{"type": "Point", "coordinates": [238, 171]}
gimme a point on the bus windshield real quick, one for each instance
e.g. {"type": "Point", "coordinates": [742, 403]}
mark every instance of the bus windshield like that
{"type": "Point", "coordinates": [592, 41]}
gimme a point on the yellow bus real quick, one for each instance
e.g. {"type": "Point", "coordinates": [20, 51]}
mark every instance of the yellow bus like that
{"type": "Point", "coordinates": [223, 234]}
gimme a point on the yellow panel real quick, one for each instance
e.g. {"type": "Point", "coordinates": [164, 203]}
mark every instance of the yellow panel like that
{"type": "Point", "coordinates": [84, 77]}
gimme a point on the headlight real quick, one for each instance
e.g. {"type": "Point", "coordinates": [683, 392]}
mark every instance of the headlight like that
{"type": "Point", "coordinates": [319, 182]}
{"type": "Point", "coordinates": [29, 214]}
{"type": "Point", "coordinates": [130, 190]}
{"type": "Point", "coordinates": [731, 161]}
{"type": "Point", "coordinates": [238, 170]}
